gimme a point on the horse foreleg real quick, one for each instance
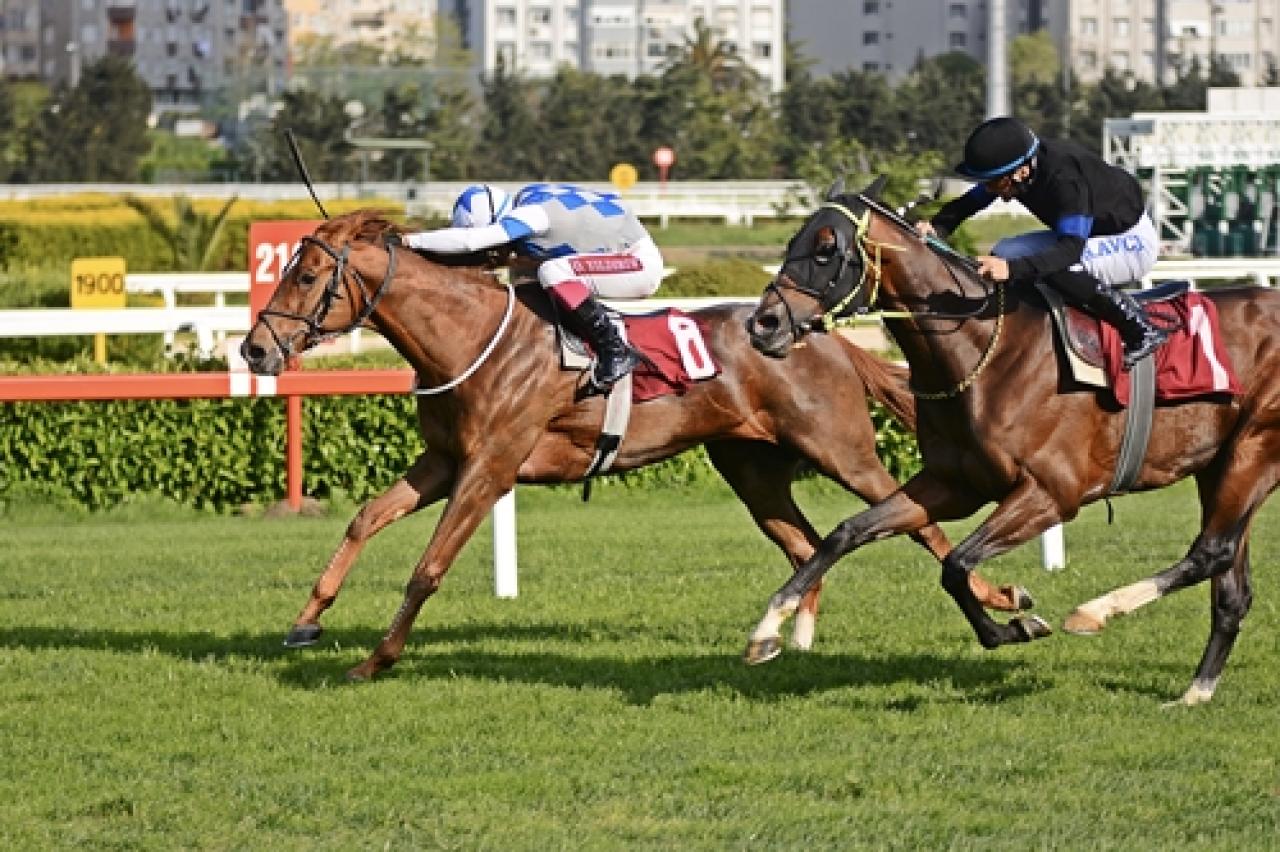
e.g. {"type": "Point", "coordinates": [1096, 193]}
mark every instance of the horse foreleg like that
{"type": "Point", "coordinates": [474, 494]}
{"type": "Point", "coordinates": [1006, 598]}
{"type": "Point", "coordinates": [903, 512]}
{"type": "Point", "coordinates": [426, 482]}
{"type": "Point", "coordinates": [1024, 513]}
{"type": "Point", "coordinates": [761, 476]}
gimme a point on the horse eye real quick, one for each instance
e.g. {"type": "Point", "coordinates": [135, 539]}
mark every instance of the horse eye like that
{"type": "Point", "coordinates": [306, 279]}
{"type": "Point", "coordinates": [824, 252]}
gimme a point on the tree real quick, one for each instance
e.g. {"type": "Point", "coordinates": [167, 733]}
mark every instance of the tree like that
{"type": "Point", "coordinates": [320, 125]}
{"type": "Point", "coordinates": [704, 57]}
{"type": "Point", "coordinates": [716, 114]}
{"type": "Point", "coordinates": [95, 132]}
{"type": "Point", "coordinates": [586, 116]}
{"type": "Point", "coordinates": [510, 140]}
{"type": "Point", "coordinates": [1033, 58]}
{"type": "Point", "coordinates": [941, 101]}
{"type": "Point", "coordinates": [193, 237]}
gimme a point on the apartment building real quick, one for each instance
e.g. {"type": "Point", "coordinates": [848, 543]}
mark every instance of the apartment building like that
{"type": "Point", "coordinates": [183, 49]}
{"type": "Point", "coordinates": [626, 37]}
{"type": "Point", "coordinates": [1151, 38]}
{"type": "Point", "coordinates": [889, 36]}
{"type": "Point", "coordinates": [401, 27]}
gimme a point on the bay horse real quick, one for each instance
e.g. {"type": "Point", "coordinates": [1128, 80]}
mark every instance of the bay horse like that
{"type": "Point", "coordinates": [506, 412]}
{"type": "Point", "coordinates": [997, 422]}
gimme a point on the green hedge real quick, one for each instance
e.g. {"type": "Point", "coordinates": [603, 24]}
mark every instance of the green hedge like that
{"type": "Point", "coordinates": [220, 455]}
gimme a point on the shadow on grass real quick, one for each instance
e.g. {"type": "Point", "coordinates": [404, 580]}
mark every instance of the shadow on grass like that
{"type": "Point", "coordinates": [638, 677]}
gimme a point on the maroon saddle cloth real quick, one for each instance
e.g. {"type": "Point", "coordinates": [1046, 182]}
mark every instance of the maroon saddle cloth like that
{"type": "Point", "coordinates": [1192, 363]}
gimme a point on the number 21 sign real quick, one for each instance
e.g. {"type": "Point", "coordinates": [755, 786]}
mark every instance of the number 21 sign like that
{"type": "Point", "coordinates": [271, 246]}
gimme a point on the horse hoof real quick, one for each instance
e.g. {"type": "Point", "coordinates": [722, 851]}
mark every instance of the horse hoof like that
{"type": "Point", "coordinates": [1022, 598]}
{"type": "Point", "coordinates": [762, 650]}
{"type": "Point", "coordinates": [1032, 627]}
{"type": "Point", "coordinates": [303, 635]}
{"type": "Point", "coordinates": [1082, 624]}
{"type": "Point", "coordinates": [362, 673]}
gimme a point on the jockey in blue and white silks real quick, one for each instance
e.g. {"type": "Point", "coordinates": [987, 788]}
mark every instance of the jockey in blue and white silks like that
{"type": "Point", "coordinates": [588, 244]}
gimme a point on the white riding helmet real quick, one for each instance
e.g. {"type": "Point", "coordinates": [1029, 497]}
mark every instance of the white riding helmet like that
{"type": "Point", "coordinates": [479, 205]}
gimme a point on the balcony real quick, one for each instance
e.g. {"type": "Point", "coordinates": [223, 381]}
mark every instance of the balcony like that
{"type": "Point", "coordinates": [123, 47]}
{"type": "Point", "coordinates": [119, 12]}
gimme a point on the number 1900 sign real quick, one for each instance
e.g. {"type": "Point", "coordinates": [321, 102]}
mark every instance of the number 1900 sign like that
{"type": "Point", "coordinates": [97, 282]}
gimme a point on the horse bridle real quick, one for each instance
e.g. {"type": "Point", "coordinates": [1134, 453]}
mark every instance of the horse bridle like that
{"type": "Point", "coordinates": [861, 227]}
{"type": "Point", "coordinates": [313, 331]}
{"type": "Point", "coordinates": [849, 260]}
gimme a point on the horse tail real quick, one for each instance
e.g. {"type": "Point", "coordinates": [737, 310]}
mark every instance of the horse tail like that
{"type": "Point", "coordinates": [888, 383]}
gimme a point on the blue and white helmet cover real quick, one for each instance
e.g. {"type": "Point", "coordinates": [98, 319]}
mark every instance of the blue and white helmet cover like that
{"type": "Point", "coordinates": [480, 205]}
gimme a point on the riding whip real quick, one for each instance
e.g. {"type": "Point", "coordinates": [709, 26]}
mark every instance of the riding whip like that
{"type": "Point", "coordinates": [302, 170]}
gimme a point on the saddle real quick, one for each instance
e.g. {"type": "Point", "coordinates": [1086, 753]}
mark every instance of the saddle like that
{"type": "Point", "coordinates": [1080, 332]}
{"type": "Point", "coordinates": [1081, 337]}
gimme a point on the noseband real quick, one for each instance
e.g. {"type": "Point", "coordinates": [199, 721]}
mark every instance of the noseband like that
{"type": "Point", "coordinates": [314, 331]}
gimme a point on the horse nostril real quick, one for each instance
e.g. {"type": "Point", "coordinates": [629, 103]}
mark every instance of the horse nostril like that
{"type": "Point", "coordinates": [767, 323]}
{"type": "Point", "coordinates": [252, 352]}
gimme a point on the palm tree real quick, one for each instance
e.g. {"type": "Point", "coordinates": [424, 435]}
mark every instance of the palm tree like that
{"type": "Point", "coordinates": [704, 57]}
{"type": "Point", "coordinates": [192, 236]}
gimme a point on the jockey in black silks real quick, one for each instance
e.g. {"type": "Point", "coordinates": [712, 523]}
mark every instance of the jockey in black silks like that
{"type": "Point", "coordinates": [1101, 236]}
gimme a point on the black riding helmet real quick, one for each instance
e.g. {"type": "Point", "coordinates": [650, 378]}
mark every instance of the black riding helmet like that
{"type": "Point", "coordinates": [997, 147]}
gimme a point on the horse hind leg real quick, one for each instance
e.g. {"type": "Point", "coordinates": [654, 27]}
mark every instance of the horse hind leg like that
{"type": "Point", "coordinates": [425, 482]}
{"type": "Point", "coordinates": [1229, 497]}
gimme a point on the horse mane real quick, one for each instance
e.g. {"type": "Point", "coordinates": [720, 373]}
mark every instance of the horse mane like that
{"type": "Point", "coordinates": [954, 260]}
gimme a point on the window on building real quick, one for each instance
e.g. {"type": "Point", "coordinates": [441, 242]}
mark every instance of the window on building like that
{"type": "Point", "coordinates": [871, 7]}
{"type": "Point", "coordinates": [957, 41]}
{"type": "Point", "coordinates": [539, 15]}
{"type": "Point", "coordinates": [761, 50]}
{"type": "Point", "coordinates": [1119, 60]}
{"type": "Point", "coordinates": [1120, 27]}
{"type": "Point", "coordinates": [871, 66]}
{"type": "Point", "coordinates": [1089, 26]}
{"type": "Point", "coordinates": [1088, 60]}
{"type": "Point", "coordinates": [505, 52]}
{"type": "Point", "coordinates": [505, 16]}
{"type": "Point", "coordinates": [1148, 26]}
{"type": "Point", "coordinates": [958, 11]}
{"type": "Point", "coordinates": [871, 38]}
{"type": "Point", "coordinates": [539, 50]}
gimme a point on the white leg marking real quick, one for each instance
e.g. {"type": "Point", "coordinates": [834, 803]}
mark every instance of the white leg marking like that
{"type": "Point", "coordinates": [771, 625]}
{"type": "Point", "coordinates": [1121, 601]}
{"type": "Point", "coordinates": [1200, 692]}
{"type": "Point", "coordinates": [806, 625]}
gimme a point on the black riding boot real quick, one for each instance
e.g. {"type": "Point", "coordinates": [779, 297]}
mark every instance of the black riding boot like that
{"type": "Point", "coordinates": [614, 358]}
{"type": "Point", "coordinates": [1140, 337]}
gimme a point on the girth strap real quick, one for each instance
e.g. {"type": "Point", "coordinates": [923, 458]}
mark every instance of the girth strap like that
{"type": "Point", "coordinates": [1137, 424]}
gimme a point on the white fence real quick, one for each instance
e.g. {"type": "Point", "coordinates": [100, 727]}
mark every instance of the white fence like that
{"type": "Point", "coordinates": [210, 325]}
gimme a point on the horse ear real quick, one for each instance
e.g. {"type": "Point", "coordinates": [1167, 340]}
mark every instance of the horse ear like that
{"type": "Point", "coordinates": [837, 188]}
{"type": "Point", "coordinates": [875, 188]}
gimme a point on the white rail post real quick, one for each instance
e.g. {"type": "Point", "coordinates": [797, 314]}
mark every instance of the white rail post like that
{"type": "Point", "coordinates": [1051, 546]}
{"type": "Point", "coordinates": [504, 546]}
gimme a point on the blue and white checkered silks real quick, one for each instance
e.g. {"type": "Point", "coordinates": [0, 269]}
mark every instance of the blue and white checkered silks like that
{"type": "Point", "coordinates": [480, 205]}
{"type": "Point", "coordinates": [607, 205]}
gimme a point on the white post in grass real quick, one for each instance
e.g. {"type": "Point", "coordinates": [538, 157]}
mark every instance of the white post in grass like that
{"type": "Point", "coordinates": [504, 546]}
{"type": "Point", "coordinates": [1051, 546]}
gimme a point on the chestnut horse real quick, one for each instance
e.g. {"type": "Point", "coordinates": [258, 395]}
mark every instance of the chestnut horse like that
{"type": "Point", "coordinates": [997, 422]}
{"type": "Point", "coordinates": [505, 411]}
